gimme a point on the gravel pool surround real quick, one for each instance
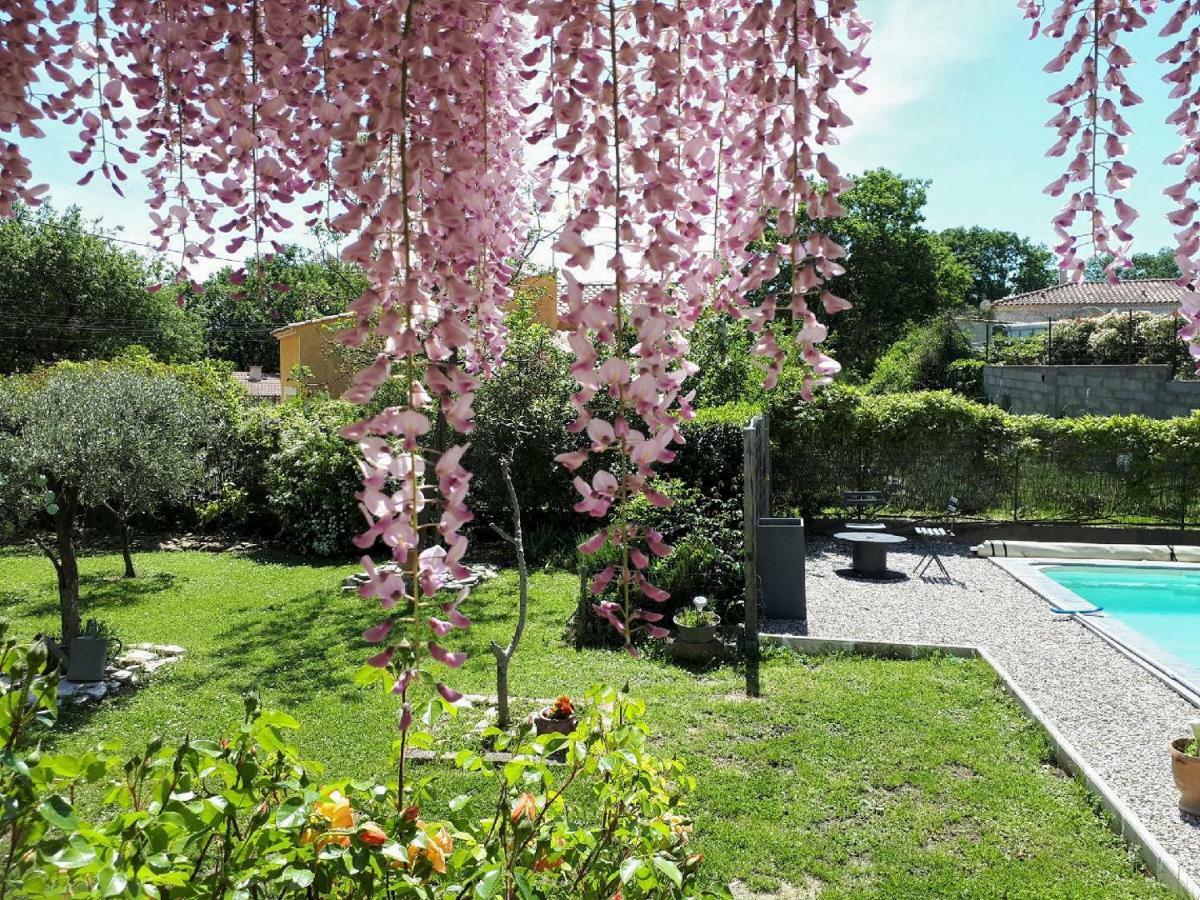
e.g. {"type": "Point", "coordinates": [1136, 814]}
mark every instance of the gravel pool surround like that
{"type": "Point", "coordinates": [1118, 717]}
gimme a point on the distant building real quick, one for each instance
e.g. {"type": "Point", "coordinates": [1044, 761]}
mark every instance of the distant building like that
{"type": "Point", "coordinates": [1088, 299]}
{"type": "Point", "coordinates": [310, 345]}
{"type": "Point", "coordinates": [261, 388]}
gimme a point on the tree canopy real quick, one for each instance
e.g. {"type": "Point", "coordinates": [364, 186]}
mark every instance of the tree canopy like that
{"type": "Point", "coordinates": [69, 293]}
{"type": "Point", "coordinates": [897, 271]}
{"type": "Point", "coordinates": [80, 437]}
{"type": "Point", "coordinates": [1002, 263]}
{"type": "Point", "coordinates": [239, 309]}
{"type": "Point", "coordinates": [1158, 264]}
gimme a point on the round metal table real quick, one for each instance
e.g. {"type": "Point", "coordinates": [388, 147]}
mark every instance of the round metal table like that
{"type": "Point", "coordinates": [870, 550]}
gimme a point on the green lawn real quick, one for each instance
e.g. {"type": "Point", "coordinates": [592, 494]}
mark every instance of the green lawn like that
{"type": "Point", "coordinates": [864, 778]}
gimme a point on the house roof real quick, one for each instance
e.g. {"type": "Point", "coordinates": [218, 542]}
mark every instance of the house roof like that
{"type": "Point", "coordinates": [266, 386]}
{"type": "Point", "coordinates": [1133, 294]}
{"type": "Point", "coordinates": [293, 326]}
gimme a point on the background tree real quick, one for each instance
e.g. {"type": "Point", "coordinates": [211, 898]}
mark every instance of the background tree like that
{"type": "Point", "coordinates": [69, 293]}
{"type": "Point", "coordinates": [897, 272]}
{"type": "Point", "coordinates": [1159, 264]}
{"type": "Point", "coordinates": [1002, 263]}
{"type": "Point", "coordinates": [239, 311]}
{"type": "Point", "coordinates": [81, 436]}
{"type": "Point", "coordinates": [159, 462]}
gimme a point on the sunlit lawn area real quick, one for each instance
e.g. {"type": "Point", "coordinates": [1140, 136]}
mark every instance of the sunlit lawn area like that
{"type": "Point", "coordinates": [862, 778]}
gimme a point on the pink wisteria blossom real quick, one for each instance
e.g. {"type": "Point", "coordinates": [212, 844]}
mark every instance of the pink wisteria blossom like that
{"type": "Point", "coordinates": [690, 146]}
{"type": "Point", "coordinates": [1092, 133]}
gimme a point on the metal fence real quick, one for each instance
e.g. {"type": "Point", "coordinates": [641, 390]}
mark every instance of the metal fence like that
{"type": "Point", "coordinates": [1009, 482]}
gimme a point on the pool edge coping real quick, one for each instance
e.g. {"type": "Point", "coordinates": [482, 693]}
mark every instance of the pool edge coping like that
{"type": "Point", "coordinates": [1123, 820]}
{"type": "Point", "coordinates": [1180, 677]}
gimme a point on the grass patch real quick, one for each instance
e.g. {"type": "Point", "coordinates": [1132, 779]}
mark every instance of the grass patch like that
{"type": "Point", "coordinates": [850, 777]}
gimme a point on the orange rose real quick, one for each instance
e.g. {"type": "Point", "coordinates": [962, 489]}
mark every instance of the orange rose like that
{"type": "Point", "coordinates": [336, 809]}
{"type": "Point", "coordinates": [372, 835]}
{"type": "Point", "coordinates": [437, 847]}
{"type": "Point", "coordinates": [526, 806]}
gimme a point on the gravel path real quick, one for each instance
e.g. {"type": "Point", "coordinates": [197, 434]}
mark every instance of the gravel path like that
{"type": "Point", "coordinates": [1117, 715]}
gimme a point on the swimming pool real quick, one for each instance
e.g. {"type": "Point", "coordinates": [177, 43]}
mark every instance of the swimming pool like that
{"type": "Point", "coordinates": [1161, 603]}
{"type": "Point", "coordinates": [1150, 611]}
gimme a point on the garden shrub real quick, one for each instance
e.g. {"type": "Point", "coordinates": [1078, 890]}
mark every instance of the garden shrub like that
{"type": "Point", "coordinates": [704, 529]}
{"type": "Point", "coordinates": [1114, 339]}
{"type": "Point", "coordinates": [921, 358]}
{"type": "Point", "coordinates": [245, 817]}
{"type": "Point", "coordinates": [310, 479]}
{"type": "Point", "coordinates": [711, 457]}
{"type": "Point", "coordinates": [965, 378]}
{"type": "Point", "coordinates": [523, 411]}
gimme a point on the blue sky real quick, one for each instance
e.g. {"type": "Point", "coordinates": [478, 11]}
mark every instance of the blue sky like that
{"type": "Point", "coordinates": [957, 96]}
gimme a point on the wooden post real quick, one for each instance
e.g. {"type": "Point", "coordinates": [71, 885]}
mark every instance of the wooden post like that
{"type": "Point", "coordinates": [755, 505]}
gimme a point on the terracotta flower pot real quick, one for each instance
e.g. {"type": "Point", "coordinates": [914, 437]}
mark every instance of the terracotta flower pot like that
{"type": "Point", "coordinates": [544, 724]}
{"type": "Point", "coordinates": [1187, 776]}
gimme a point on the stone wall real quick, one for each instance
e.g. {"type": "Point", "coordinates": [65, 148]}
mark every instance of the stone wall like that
{"type": "Point", "coordinates": [1098, 390]}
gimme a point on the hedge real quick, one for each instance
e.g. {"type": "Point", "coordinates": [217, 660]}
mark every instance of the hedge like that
{"type": "Point", "coordinates": [922, 448]}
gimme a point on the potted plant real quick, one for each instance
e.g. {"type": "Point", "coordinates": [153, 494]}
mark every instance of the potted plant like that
{"type": "Point", "coordinates": [90, 651]}
{"type": "Point", "coordinates": [558, 718]}
{"type": "Point", "coordinates": [1185, 762]}
{"type": "Point", "coordinates": [697, 625]}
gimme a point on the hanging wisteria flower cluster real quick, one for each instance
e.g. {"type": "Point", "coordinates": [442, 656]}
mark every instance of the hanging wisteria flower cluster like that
{"type": "Point", "coordinates": [679, 133]}
{"type": "Point", "coordinates": [685, 126]}
{"type": "Point", "coordinates": [1090, 124]}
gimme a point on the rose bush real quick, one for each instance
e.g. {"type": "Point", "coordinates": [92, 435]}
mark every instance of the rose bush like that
{"type": "Point", "coordinates": [244, 816]}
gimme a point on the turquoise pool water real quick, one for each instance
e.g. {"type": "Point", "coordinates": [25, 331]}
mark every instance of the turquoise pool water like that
{"type": "Point", "coordinates": [1159, 602]}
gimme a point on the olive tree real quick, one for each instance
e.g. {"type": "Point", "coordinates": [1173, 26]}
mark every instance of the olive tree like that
{"type": "Point", "coordinates": [81, 437]}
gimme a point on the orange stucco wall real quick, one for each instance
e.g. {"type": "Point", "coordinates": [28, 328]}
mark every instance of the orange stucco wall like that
{"type": "Point", "coordinates": [310, 344]}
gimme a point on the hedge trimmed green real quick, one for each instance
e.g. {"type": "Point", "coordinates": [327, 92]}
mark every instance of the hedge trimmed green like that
{"type": "Point", "coordinates": [924, 447]}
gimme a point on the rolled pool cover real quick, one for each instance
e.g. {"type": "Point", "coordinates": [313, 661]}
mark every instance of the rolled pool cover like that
{"type": "Point", "coordinates": [1041, 550]}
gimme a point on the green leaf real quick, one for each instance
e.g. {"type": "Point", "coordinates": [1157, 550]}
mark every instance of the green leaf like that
{"type": "Point", "coordinates": [669, 869]}
{"type": "Point", "coordinates": [291, 813]}
{"type": "Point", "coordinates": [77, 854]}
{"type": "Point", "coordinates": [58, 812]}
{"type": "Point", "coordinates": [523, 888]}
{"type": "Point", "coordinates": [629, 869]}
{"type": "Point", "coordinates": [487, 886]}
{"type": "Point", "coordinates": [299, 877]}
{"type": "Point", "coordinates": [112, 883]}
{"type": "Point", "coordinates": [278, 719]}
{"type": "Point", "coordinates": [368, 675]}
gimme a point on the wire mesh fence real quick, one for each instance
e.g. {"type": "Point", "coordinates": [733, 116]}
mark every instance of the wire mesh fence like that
{"type": "Point", "coordinates": [1012, 480]}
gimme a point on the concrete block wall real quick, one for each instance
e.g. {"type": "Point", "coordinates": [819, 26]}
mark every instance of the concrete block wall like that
{"type": "Point", "coordinates": [1097, 390]}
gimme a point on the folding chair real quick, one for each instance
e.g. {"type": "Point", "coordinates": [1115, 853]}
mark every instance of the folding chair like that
{"type": "Point", "coordinates": [934, 538]}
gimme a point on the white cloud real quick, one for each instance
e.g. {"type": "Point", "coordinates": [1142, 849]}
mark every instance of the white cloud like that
{"type": "Point", "coordinates": [915, 47]}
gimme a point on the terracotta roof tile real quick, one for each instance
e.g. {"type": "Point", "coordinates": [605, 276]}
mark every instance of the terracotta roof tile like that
{"type": "Point", "coordinates": [1128, 294]}
{"type": "Point", "coordinates": [267, 386]}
